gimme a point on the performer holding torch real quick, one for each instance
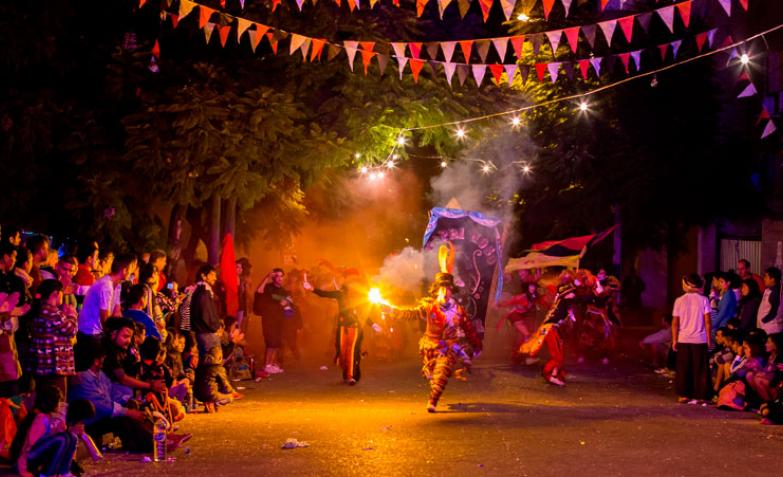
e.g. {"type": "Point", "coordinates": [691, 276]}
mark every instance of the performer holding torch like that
{"type": "Point", "coordinates": [450, 336]}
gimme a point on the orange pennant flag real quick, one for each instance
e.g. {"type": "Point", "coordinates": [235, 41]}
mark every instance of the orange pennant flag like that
{"type": "Point", "coordinates": [223, 31]}
{"type": "Point", "coordinates": [367, 45]}
{"type": "Point", "coordinates": [142, 2]}
{"type": "Point", "coordinates": [497, 72]}
{"type": "Point", "coordinates": [272, 42]}
{"type": "Point", "coordinates": [275, 4]}
{"type": "Point", "coordinates": [517, 42]}
{"type": "Point", "coordinates": [548, 4]}
{"type": "Point", "coordinates": [317, 49]}
{"type": "Point", "coordinates": [366, 59]}
{"type": "Point", "coordinates": [603, 4]}
{"type": "Point", "coordinates": [204, 14]}
{"type": "Point", "coordinates": [416, 66]}
{"type": "Point", "coordinates": [465, 46]}
{"type": "Point", "coordinates": [486, 6]}
{"type": "Point", "coordinates": [420, 4]}
{"type": "Point", "coordinates": [156, 50]}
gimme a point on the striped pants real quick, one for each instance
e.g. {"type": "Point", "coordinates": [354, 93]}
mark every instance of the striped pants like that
{"type": "Point", "coordinates": [349, 351]}
{"type": "Point", "coordinates": [438, 367]}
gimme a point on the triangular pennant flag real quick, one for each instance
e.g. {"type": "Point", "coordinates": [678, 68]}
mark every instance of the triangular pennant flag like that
{"type": "Point", "coordinates": [711, 37]}
{"type": "Point", "coordinates": [626, 25]}
{"type": "Point", "coordinates": [644, 21]}
{"type": "Point", "coordinates": [296, 42]}
{"type": "Point", "coordinates": [750, 90]}
{"type": "Point", "coordinates": [744, 4]}
{"type": "Point", "coordinates": [572, 35]}
{"type": "Point", "coordinates": [637, 59]}
{"type": "Point", "coordinates": [685, 12]}
{"type": "Point", "coordinates": [241, 4]}
{"type": "Point", "coordinates": [366, 59]}
{"type": "Point", "coordinates": [744, 76]}
{"type": "Point", "coordinates": [517, 42]}
{"type": "Point", "coordinates": [548, 4]}
{"type": "Point", "coordinates": [208, 29]}
{"type": "Point", "coordinates": [332, 51]}
{"type": "Point", "coordinates": [442, 5]}
{"type": "Point", "coordinates": [510, 71]}
{"type": "Point", "coordinates": [676, 47]}
{"type": "Point", "coordinates": [554, 69]}
{"type": "Point", "coordinates": [608, 29]}
{"type": "Point", "coordinates": [401, 62]}
{"type": "Point", "coordinates": [667, 15]}
{"type": "Point", "coordinates": [726, 4]}
{"type": "Point", "coordinates": [448, 49]}
{"type": "Point", "coordinates": [185, 7]}
{"type": "Point", "coordinates": [603, 4]}
{"type": "Point", "coordinates": [486, 6]}
{"type": "Point", "coordinates": [701, 39]}
{"type": "Point", "coordinates": [275, 4]}
{"type": "Point", "coordinates": [663, 49]}
{"type": "Point", "coordinates": [625, 57]}
{"type": "Point", "coordinates": [416, 66]}
{"type": "Point", "coordinates": [222, 3]}
{"type": "Point", "coordinates": [399, 49]}
{"type": "Point", "coordinates": [566, 6]}
{"type": "Point", "coordinates": [317, 49]}
{"type": "Point", "coordinates": [554, 39]}
{"type": "Point", "coordinates": [223, 31]}
{"type": "Point", "coordinates": [372, 5]}
{"type": "Point", "coordinates": [478, 73]}
{"type": "Point", "coordinates": [482, 48]}
{"type": "Point", "coordinates": [465, 47]}
{"type": "Point", "coordinates": [351, 5]}
{"type": "Point", "coordinates": [242, 26]}
{"type": "Point", "coordinates": [589, 32]}
{"type": "Point", "coordinates": [728, 40]}
{"type": "Point", "coordinates": [367, 45]}
{"type": "Point", "coordinates": [156, 50]}
{"type": "Point", "coordinates": [350, 50]}
{"type": "Point", "coordinates": [464, 6]}
{"type": "Point", "coordinates": [535, 40]}
{"type": "Point", "coordinates": [584, 68]}
{"type": "Point", "coordinates": [764, 114]}
{"type": "Point", "coordinates": [383, 60]}
{"type": "Point", "coordinates": [541, 71]}
{"type": "Point", "coordinates": [204, 14]}
{"type": "Point", "coordinates": [174, 20]}
{"type": "Point", "coordinates": [462, 74]}
{"type": "Point", "coordinates": [420, 4]}
{"type": "Point", "coordinates": [497, 72]}
{"type": "Point", "coordinates": [568, 67]}
{"type": "Point", "coordinates": [508, 7]}
{"type": "Point", "coordinates": [432, 50]}
{"type": "Point", "coordinates": [415, 49]}
{"type": "Point", "coordinates": [501, 46]}
{"type": "Point", "coordinates": [768, 129]}
{"type": "Point", "coordinates": [449, 69]}
{"type": "Point", "coordinates": [596, 62]}
{"type": "Point", "coordinates": [305, 48]}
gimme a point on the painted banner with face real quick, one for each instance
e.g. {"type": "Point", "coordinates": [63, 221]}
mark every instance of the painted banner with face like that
{"type": "Point", "coordinates": [477, 242]}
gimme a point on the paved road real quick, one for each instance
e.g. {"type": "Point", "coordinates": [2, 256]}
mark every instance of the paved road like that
{"type": "Point", "coordinates": [503, 422]}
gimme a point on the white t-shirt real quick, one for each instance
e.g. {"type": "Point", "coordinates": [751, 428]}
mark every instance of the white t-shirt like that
{"type": "Point", "coordinates": [99, 297]}
{"type": "Point", "coordinates": [691, 308]}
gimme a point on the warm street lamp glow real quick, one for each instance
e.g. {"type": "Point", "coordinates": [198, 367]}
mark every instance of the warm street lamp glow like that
{"type": "Point", "coordinates": [486, 169]}
{"type": "Point", "coordinates": [744, 59]}
{"type": "Point", "coordinates": [526, 169]}
{"type": "Point", "coordinates": [523, 17]}
{"type": "Point", "coordinates": [515, 121]}
{"type": "Point", "coordinates": [373, 176]}
{"type": "Point", "coordinates": [460, 133]}
{"type": "Point", "coordinates": [443, 164]}
{"type": "Point", "coordinates": [381, 175]}
{"type": "Point", "coordinates": [390, 164]}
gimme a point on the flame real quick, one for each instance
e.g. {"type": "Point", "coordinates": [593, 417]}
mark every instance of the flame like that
{"type": "Point", "coordinates": [375, 297]}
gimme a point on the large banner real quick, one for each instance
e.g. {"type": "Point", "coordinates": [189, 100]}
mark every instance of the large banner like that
{"type": "Point", "coordinates": [477, 241]}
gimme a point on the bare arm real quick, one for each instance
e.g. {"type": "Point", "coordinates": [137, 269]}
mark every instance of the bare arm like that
{"type": "Point", "coordinates": [708, 327]}
{"type": "Point", "coordinates": [675, 331]}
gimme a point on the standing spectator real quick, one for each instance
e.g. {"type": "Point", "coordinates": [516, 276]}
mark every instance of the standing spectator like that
{"type": "Point", "coordinates": [243, 292]}
{"type": "Point", "coordinates": [743, 270]}
{"type": "Point", "coordinates": [23, 270]}
{"type": "Point", "coordinates": [39, 247]}
{"type": "Point", "coordinates": [85, 274]}
{"type": "Point", "coordinates": [272, 302]}
{"type": "Point", "coordinates": [204, 318]}
{"type": "Point", "coordinates": [750, 299]}
{"type": "Point", "coordinates": [54, 331]}
{"type": "Point", "coordinates": [768, 318]}
{"type": "Point", "coordinates": [137, 311]}
{"type": "Point", "coordinates": [148, 278]}
{"type": "Point", "coordinates": [65, 271]}
{"type": "Point", "coordinates": [727, 304]}
{"type": "Point", "coordinates": [158, 260]}
{"type": "Point", "coordinates": [12, 236]}
{"type": "Point", "coordinates": [691, 338]}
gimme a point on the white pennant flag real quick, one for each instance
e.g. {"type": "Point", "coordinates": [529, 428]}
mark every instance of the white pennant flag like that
{"type": "Point", "coordinates": [350, 50]}
{"type": "Point", "coordinates": [501, 45]}
{"type": "Point", "coordinates": [449, 69]}
{"type": "Point", "coordinates": [402, 62]}
{"type": "Point", "coordinates": [478, 73]}
{"type": "Point", "coordinates": [448, 49]}
{"type": "Point", "coordinates": [399, 49]}
{"type": "Point", "coordinates": [510, 72]}
{"type": "Point", "coordinates": [554, 69]}
{"type": "Point", "coordinates": [608, 29]}
{"type": "Point", "coordinates": [242, 4]}
{"type": "Point", "coordinates": [299, 4]}
{"type": "Point", "coordinates": [768, 129]}
{"type": "Point", "coordinates": [567, 6]}
{"type": "Point", "coordinates": [667, 15]}
{"type": "Point", "coordinates": [726, 4]}
{"type": "Point", "coordinates": [749, 91]}
{"type": "Point", "coordinates": [554, 39]}
{"type": "Point", "coordinates": [508, 7]}
{"type": "Point", "coordinates": [596, 62]}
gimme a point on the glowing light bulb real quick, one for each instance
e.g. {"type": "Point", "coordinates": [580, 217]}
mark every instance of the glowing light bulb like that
{"type": "Point", "coordinates": [486, 169]}
{"type": "Point", "coordinates": [395, 157]}
{"type": "Point", "coordinates": [744, 59]}
{"type": "Point", "coordinates": [401, 140]}
{"type": "Point", "coordinates": [523, 17]}
{"type": "Point", "coordinates": [373, 176]}
{"type": "Point", "coordinates": [363, 170]}
{"type": "Point", "coordinates": [390, 164]}
{"type": "Point", "coordinates": [526, 169]}
{"type": "Point", "coordinates": [358, 155]}
{"type": "Point", "coordinates": [443, 164]}
{"type": "Point", "coordinates": [515, 121]}
{"type": "Point", "coordinates": [583, 106]}
{"type": "Point", "coordinates": [460, 133]}
{"type": "Point", "coordinates": [381, 175]}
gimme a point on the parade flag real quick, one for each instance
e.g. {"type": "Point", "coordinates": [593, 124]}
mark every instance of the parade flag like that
{"type": "Point", "coordinates": [497, 72]}
{"type": "Point", "coordinates": [478, 73]}
{"type": "Point", "coordinates": [510, 71]}
{"type": "Point", "coordinates": [482, 48]}
{"type": "Point", "coordinates": [768, 129]}
{"type": "Point", "coordinates": [517, 42]}
{"type": "Point", "coordinates": [350, 49]}
{"type": "Point", "coordinates": [448, 49]}
{"type": "Point", "coordinates": [554, 39]}
{"type": "Point", "coordinates": [750, 90]}
{"type": "Point", "coordinates": [572, 35]}
{"type": "Point", "coordinates": [608, 29]}
{"type": "Point", "coordinates": [626, 25]}
{"type": "Point", "coordinates": [567, 6]}
{"type": "Point", "coordinates": [228, 275]}
{"type": "Point", "coordinates": [449, 69]}
{"type": "Point", "coordinates": [667, 15]}
{"type": "Point", "coordinates": [685, 12]}
{"type": "Point", "coordinates": [501, 45]}
{"type": "Point", "coordinates": [242, 26]}
{"type": "Point", "coordinates": [402, 61]}
{"type": "Point", "coordinates": [465, 47]}
{"type": "Point", "coordinates": [726, 4]}
{"type": "Point", "coordinates": [589, 32]}
{"type": "Point", "coordinates": [548, 4]}
{"type": "Point", "coordinates": [486, 6]}
{"type": "Point", "coordinates": [644, 20]}
{"type": "Point", "coordinates": [554, 69]}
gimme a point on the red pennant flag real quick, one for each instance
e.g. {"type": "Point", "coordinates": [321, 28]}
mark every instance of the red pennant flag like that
{"type": "Point", "coordinates": [272, 42]}
{"type": "Point", "coordinates": [366, 59]}
{"type": "Point", "coordinates": [548, 4]}
{"type": "Point", "coordinates": [317, 49]}
{"type": "Point", "coordinates": [228, 275]}
{"type": "Point", "coordinates": [584, 67]}
{"type": "Point", "coordinates": [396, 3]}
{"type": "Point", "coordinates": [465, 46]}
{"type": "Point", "coordinates": [497, 72]}
{"type": "Point", "coordinates": [572, 35]}
{"type": "Point", "coordinates": [276, 3]}
{"type": "Point", "coordinates": [685, 12]}
{"type": "Point", "coordinates": [625, 57]}
{"type": "Point", "coordinates": [728, 40]}
{"type": "Point", "coordinates": [486, 5]}
{"type": "Point", "coordinates": [142, 2]}
{"type": "Point", "coordinates": [420, 4]}
{"type": "Point", "coordinates": [663, 49]}
{"type": "Point", "coordinates": [223, 31]}
{"type": "Point", "coordinates": [367, 45]}
{"type": "Point", "coordinates": [416, 66]}
{"type": "Point", "coordinates": [204, 14]}
{"type": "Point", "coordinates": [603, 4]}
{"type": "Point", "coordinates": [744, 4]}
{"type": "Point", "coordinates": [626, 24]}
{"type": "Point", "coordinates": [156, 50]}
{"type": "Point", "coordinates": [764, 114]}
{"type": "Point", "coordinates": [701, 38]}
{"type": "Point", "coordinates": [223, 4]}
{"type": "Point", "coordinates": [744, 76]}
{"type": "Point", "coordinates": [174, 20]}
{"type": "Point", "coordinates": [415, 50]}
{"type": "Point", "coordinates": [517, 42]}
{"type": "Point", "coordinates": [541, 71]}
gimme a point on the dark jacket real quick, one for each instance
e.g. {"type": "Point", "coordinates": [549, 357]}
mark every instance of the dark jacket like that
{"type": "Point", "coordinates": [748, 309]}
{"type": "Point", "coordinates": [204, 317]}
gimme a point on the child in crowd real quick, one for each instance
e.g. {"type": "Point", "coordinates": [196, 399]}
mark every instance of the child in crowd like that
{"type": "Point", "coordinates": [212, 384]}
{"type": "Point", "coordinates": [40, 423]}
{"type": "Point", "coordinates": [153, 355]}
{"type": "Point", "coordinates": [183, 381]}
{"type": "Point", "coordinates": [723, 356]}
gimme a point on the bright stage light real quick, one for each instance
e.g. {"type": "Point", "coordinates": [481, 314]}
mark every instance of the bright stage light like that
{"type": "Point", "coordinates": [515, 121]}
{"type": "Point", "coordinates": [744, 59]}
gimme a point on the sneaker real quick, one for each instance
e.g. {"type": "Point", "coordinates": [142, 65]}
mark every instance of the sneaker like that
{"type": "Point", "coordinates": [272, 369]}
{"type": "Point", "coordinates": [431, 408]}
{"type": "Point", "coordinates": [350, 382]}
{"type": "Point", "coordinates": [556, 381]}
{"type": "Point", "coordinates": [662, 371]}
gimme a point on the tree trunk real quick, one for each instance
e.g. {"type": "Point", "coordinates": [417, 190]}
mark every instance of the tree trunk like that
{"type": "Point", "coordinates": [213, 247]}
{"type": "Point", "coordinates": [230, 213]}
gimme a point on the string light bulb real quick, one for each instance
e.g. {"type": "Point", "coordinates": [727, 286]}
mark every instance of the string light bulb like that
{"type": "Point", "coordinates": [381, 175]}
{"type": "Point", "coordinates": [526, 169]}
{"type": "Point", "coordinates": [583, 106]}
{"type": "Point", "coordinates": [744, 59]}
{"type": "Point", "coordinates": [486, 168]}
{"type": "Point", "coordinates": [400, 140]}
{"type": "Point", "coordinates": [516, 122]}
{"type": "Point", "coordinates": [373, 176]}
{"type": "Point", "coordinates": [390, 164]}
{"type": "Point", "coordinates": [460, 133]}
{"type": "Point", "coordinates": [363, 170]}
{"type": "Point", "coordinates": [358, 155]}
{"type": "Point", "coordinates": [523, 17]}
{"type": "Point", "coordinates": [443, 164]}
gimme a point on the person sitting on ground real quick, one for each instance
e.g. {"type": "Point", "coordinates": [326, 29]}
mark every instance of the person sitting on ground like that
{"type": "Point", "coordinates": [722, 357]}
{"type": "Point", "coordinates": [212, 384]}
{"type": "Point", "coordinates": [40, 423]}
{"type": "Point", "coordinates": [137, 306]}
{"type": "Point", "coordinates": [765, 381]}
{"type": "Point", "coordinates": [120, 366]}
{"type": "Point", "coordinates": [175, 347]}
{"type": "Point", "coordinates": [658, 345]}
{"type": "Point", "coordinates": [153, 355]}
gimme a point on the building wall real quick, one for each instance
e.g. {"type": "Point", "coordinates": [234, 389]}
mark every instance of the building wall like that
{"type": "Point", "coordinates": [772, 243]}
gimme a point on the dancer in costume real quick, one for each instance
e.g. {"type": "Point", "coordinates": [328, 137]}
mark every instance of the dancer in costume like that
{"type": "Point", "coordinates": [598, 315]}
{"type": "Point", "coordinates": [450, 338]}
{"type": "Point", "coordinates": [348, 339]}
{"type": "Point", "coordinates": [521, 316]}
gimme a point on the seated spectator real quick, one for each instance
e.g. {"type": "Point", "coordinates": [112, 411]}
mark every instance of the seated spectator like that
{"type": "Point", "coordinates": [749, 302]}
{"type": "Point", "coordinates": [130, 425]}
{"type": "Point", "coordinates": [137, 306]}
{"type": "Point", "coordinates": [765, 382]}
{"type": "Point", "coordinates": [182, 377]}
{"type": "Point", "coordinates": [120, 364]}
{"type": "Point", "coordinates": [723, 356]}
{"type": "Point", "coordinates": [40, 423]}
{"type": "Point", "coordinates": [153, 356]}
{"type": "Point", "coordinates": [212, 384]}
{"type": "Point", "coordinates": [736, 394]}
